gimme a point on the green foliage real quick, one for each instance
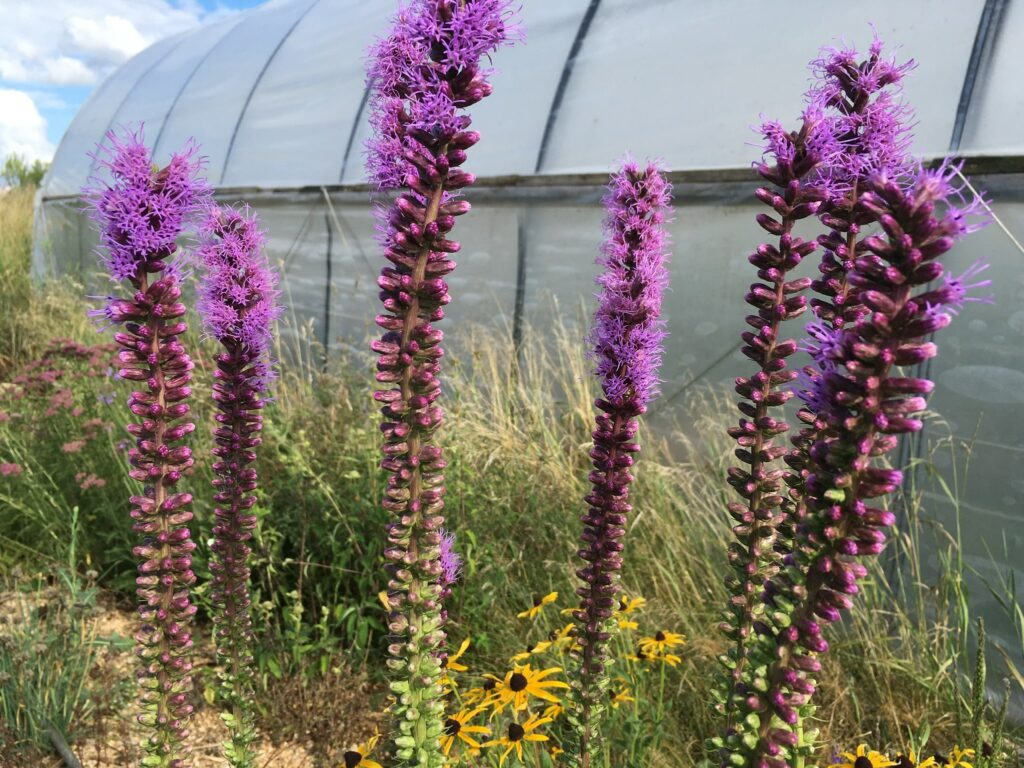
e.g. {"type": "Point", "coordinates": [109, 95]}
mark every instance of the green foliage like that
{"type": "Point", "coordinates": [47, 650]}
{"type": "Point", "coordinates": [17, 171]}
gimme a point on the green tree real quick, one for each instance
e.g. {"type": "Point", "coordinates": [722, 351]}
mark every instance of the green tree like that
{"type": "Point", "coordinates": [18, 172]}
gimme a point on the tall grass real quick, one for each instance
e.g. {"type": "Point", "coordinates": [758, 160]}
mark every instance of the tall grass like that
{"type": "Point", "coordinates": [29, 318]}
{"type": "Point", "coordinates": [517, 439]}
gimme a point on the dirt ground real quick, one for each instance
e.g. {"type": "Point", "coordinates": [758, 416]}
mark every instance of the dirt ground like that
{"type": "Point", "coordinates": [332, 713]}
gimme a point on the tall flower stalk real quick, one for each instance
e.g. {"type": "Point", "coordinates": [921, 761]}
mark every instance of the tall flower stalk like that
{"type": "Point", "coordinates": [792, 160]}
{"type": "Point", "coordinates": [856, 126]}
{"type": "Point", "coordinates": [141, 213]}
{"type": "Point", "coordinates": [865, 408]}
{"type": "Point", "coordinates": [424, 75]}
{"type": "Point", "coordinates": [626, 339]}
{"type": "Point", "coordinates": [238, 303]}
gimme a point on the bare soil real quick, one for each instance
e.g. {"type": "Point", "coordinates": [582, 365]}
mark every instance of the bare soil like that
{"type": "Point", "coordinates": [307, 723]}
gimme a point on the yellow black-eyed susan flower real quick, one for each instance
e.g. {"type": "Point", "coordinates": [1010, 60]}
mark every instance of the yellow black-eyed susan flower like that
{"type": "Point", "coordinates": [540, 647]}
{"type": "Point", "coordinates": [865, 758]}
{"type": "Point", "coordinates": [620, 697]}
{"type": "Point", "coordinates": [554, 751]}
{"type": "Point", "coordinates": [563, 639]}
{"type": "Point", "coordinates": [628, 624]}
{"type": "Point", "coordinates": [553, 711]}
{"type": "Point", "coordinates": [457, 727]}
{"type": "Point", "coordinates": [958, 758]}
{"type": "Point", "coordinates": [452, 662]}
{"type": "Point", "coordinates": [522, 683]}
{"type": "Point", "coordinates": [473, 696]}
{"type": "Point", "coordinates": [661, 642]}
{"type": "Point", "coordinates": [640, 655]}
{"type": "Point", "coordinates": [538, 604]}
{"type": "Point", "coordinates": [360, 755]}
{"type": "Point", "coordinates": [910, 761]}
{"type": "Point", "coordinates": [628, 605]}
{"type": "Point", "coordinates": [516, 735]}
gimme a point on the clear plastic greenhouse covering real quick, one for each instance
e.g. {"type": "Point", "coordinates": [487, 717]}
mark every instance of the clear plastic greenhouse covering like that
{"type": "Point", "coordinates": [276, 96]}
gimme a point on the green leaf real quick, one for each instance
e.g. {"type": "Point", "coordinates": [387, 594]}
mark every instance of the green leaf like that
{"type": "Point", "coordinates": [275, 668]}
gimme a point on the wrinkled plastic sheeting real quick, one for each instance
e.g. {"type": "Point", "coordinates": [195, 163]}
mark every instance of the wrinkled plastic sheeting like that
{"type": "Point", "coordinates": [685, 80]}
{"type": "Point", "coordinates": [275, 95]}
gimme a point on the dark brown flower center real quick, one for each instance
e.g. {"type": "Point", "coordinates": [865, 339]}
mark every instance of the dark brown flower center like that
{"type": "Point", "coordinates": [660, 636]}
{"type": "Point", "coordinates": [352, 759]}
{"type": "Point", "coordinates": [537, 602]}
{"type": "Point", "coordinates": [515, 732]}
{"type": "Point", "coordinates": [904, 762]}
{"type": "Point", "coordinates": [862, 762]}
{"type": "Point", "coordinates": [489, 684]}
{"type": "Point", "coordinates": [452, 726]}
{"type": "Point", "coordinates": [640, 654]}
{"type": "Point", "coordinates": [517, 682]}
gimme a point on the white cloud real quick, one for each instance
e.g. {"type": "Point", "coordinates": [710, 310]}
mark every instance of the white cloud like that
{"type": "Point", "coordinates": [65, 70]}
{"type": "Point", "coordinates": [70, 42]}
{"type": "Point", "coordinates": [22, 128]}
{"type": "Point", "coordinates": [110, 39]}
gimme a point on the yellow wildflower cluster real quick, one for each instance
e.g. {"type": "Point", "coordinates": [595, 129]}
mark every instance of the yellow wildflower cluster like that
{"type": "Point", "coordinates": [869, 758]}
{"type": "Point", "coordinates": [515, 717]}
{"type": "Point", "coordinates": [522, 708]}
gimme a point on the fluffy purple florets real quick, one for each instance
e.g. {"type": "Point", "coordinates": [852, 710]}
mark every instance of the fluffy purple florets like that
{"type": "Point", "coordinates": [451, 561]}
{"type": "Point", "coordinates": [411, 91]}
{"type": "Point", "coordinates": [142, 212]}
{"type": "Point", "coordinates": [867, 115]}
{"type": "Point", "coordinates": [815, 143]}
{"type": "Point", "coordinates": [238, 295]}
{"type": "Point", "coordinates": [627, 333]}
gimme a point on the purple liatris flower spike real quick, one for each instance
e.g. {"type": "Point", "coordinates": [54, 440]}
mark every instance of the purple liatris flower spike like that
{"type": "Point", "coordinates": [862, 100]}
{"type": "Point", "coordinates": [864, 408]}
{"type": "Point", "coordinates": [863, 103]}
{"type": "Point", "coordinates": [141, 212]}
{"type": "Point", "coordinates": [627, 339]}
{"type": "Point", "coordinates": [791, 166]}
{"type": "Point", "coordinates": [423, 76]}
{"type": "Point", "coordinates": [238, 303]}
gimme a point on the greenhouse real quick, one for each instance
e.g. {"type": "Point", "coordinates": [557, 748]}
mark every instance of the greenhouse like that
{"type": "Point", "coordinates": [277, 99]}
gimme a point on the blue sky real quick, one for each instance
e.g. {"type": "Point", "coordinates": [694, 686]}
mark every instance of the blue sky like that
{"type": "Point", "coordinates": [54, 53]}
